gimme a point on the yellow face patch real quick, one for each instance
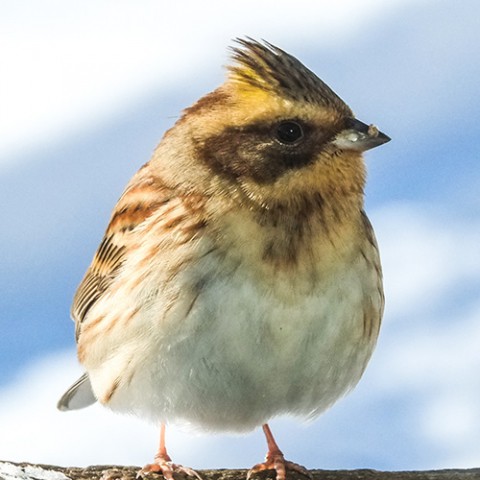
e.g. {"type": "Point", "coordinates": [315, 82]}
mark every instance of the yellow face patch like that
{"type": "Point", "coordinates": [265, 84]}
{"type": "Point", "coordinates": [250, 104]}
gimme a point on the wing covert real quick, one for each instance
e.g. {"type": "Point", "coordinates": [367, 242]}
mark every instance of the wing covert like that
{"type": "Point", "coordinates": [141, 199]}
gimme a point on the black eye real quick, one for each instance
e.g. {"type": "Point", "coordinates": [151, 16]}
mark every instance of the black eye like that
{"type": "Point", "coordinates": [289, 132]}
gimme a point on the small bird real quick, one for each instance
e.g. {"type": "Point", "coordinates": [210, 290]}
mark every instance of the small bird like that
{"type": "Point", "coordinates": [239, 277]}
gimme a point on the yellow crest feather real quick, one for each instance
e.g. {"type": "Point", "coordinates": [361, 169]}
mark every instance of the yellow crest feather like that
{"type": "Point", "coordinates": [263, 67]}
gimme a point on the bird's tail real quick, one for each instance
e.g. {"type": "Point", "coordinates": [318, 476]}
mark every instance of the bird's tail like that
{"type": "Point", "coordinates": [79, 395]}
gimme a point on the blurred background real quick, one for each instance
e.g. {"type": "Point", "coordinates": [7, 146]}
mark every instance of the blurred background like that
{"type": "Point", "coordinates": [87, 90]}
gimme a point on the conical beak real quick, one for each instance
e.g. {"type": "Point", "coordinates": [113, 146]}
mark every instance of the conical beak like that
{"type": "Point", "coordinates": [359, 136]}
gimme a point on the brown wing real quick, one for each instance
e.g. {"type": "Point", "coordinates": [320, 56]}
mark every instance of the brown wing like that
{"type": "Point", "coordinates": [139, 201]}
{"type": "Point", "coordinates": [373, 318]}
{"type": "Point", "coordinates": [105, 264]}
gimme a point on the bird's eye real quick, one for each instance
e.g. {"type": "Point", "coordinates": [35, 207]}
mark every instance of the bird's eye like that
{"type": "Point", "coordinates": [289, 132]}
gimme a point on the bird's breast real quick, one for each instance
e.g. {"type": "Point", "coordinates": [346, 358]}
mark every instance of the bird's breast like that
{"type": "Point", "coordinates": [230, 344]}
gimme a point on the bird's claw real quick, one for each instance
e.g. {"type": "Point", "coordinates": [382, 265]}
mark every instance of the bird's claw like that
{"type": "Point", "coordinates": [166, 468]}
{"type": "Point", "coordinates": [277, 462]}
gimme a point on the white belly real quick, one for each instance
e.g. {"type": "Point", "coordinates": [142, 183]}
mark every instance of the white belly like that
{"type": "Point", "coordinates": [235, 351]}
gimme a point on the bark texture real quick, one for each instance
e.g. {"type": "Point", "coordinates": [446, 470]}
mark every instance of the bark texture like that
{"type": "Point", "coordinates": [28, 471]}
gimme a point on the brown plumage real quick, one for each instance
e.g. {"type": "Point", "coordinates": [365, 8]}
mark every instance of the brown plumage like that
{"type": "Point", "coordinates": [239, 277]}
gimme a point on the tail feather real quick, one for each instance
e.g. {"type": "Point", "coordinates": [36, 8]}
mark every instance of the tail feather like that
{"type": "Point", "coordinates": [79, 395]}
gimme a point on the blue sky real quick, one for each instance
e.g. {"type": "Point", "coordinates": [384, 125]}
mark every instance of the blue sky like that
{"type": "Point", "coordinates": [86, 94]}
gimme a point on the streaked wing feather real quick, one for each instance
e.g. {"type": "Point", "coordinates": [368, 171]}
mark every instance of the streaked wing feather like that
{"type": "Point", "coordinates": [140, 200]}
{"type": "Point", "coordinates": [106, 262]}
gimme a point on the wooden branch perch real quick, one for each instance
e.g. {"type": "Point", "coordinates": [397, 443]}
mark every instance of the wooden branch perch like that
{"type": "Point", "coordinates": [28, 471]}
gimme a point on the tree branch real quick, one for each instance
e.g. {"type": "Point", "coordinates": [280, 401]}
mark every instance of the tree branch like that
{"type": "Point", "coordinates": [28, 471]}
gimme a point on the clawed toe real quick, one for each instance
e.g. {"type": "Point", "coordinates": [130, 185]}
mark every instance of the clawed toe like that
{"type": "Point", "coordinates": [163, 464]}
{"type": "Point", "coordinates": [112, 474]}
{"type": "Point", "coordinates": [166, 468]}
{"type": "Point", "coordinates": [295, 467]}
{"type": "Point", "coordinates": [278, 463]}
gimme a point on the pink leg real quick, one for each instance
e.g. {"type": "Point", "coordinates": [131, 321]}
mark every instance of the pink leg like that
{"type": "Point", "coordinates": [163, 463]}
{"type": "Point", "coordinates": [275, 460]}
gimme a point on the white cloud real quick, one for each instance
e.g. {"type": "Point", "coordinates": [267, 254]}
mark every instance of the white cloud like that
{"type": "Point", "coordinates": [430, 356]}
{"type": "Point", "coordinates": [434, 364]}
{"type": "Point", "coordinates": [66, 66]}
{"type": "Point", "coordinates": [426, 253]}
{"type": "Point", "coordinates": [33, 430]}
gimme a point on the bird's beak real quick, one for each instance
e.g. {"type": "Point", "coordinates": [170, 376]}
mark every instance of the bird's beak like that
{"type": "Point", "coordinates": [359, 136]}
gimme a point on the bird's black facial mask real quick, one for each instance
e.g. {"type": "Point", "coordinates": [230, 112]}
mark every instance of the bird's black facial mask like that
{"type": "Point", "coordinates": [265, 151]}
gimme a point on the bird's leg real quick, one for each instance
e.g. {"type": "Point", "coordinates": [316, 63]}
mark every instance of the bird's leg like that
{"type": "Point", "coordinates": [275, 460]}
{"type": "Point", "coordinates": [163, 463]}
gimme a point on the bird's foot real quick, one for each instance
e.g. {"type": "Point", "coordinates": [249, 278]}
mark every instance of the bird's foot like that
{"type": "Point", "coordinates": [163, 465]}
{"type": "Point", "coordinates": [276, 461]}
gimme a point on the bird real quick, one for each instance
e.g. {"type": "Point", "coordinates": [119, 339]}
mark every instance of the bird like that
{"type": "Point", "coordinates": [239, 277]}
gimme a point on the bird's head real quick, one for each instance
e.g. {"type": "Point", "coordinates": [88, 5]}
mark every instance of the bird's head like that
{"type": "Point", "coordinates": [275, 132]}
